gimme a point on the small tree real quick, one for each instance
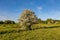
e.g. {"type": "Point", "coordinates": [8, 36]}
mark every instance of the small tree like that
{"type": "Point", "coordinates": [9, 22]}
{"type": "Point", "coordinates": [1, 22]}
{"type": "Point", "coordinates": [39, 20]}
{"type": "Point", "coordinates": [27, 18]}
{"type": "Point", "coordinates": [50, 21]}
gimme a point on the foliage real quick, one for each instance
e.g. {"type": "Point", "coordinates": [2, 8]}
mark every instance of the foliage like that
{"type": "Point", "coordinates": [39, 20]}
{"type": "Point", "coordinates": [27, 18]}
{"type": "Point", "coordinates": [1, 22]}
{"type": "Point", "coordinates": [50, 21]}
{"type": "Point", "coordinates": [9, 22]}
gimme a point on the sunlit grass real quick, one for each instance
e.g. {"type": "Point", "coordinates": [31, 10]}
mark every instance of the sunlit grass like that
{"type": "Point", "coordinates": [14, 33]}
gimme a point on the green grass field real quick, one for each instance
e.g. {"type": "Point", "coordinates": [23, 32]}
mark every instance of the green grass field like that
{"type": "Point", "coordinates": [13, 33]}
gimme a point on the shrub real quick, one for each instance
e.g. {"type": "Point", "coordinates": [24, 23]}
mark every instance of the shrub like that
{"type": "Point", "coordinates": [9, 22]}
{"type": "Point", "coordinates": [27, 19]}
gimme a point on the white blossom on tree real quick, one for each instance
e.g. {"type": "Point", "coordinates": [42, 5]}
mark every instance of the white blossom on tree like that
{"type": "Point", "coordinates": [27, 18]}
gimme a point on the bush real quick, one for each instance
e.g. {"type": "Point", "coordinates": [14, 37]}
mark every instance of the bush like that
{"type": "Point", "coordinates": [1, 22]}
{"type": "Point", "coordinates": [9, 22]}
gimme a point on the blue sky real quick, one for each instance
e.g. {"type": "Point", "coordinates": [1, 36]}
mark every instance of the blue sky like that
{"type": "Point", "coordinates": [11, 9]}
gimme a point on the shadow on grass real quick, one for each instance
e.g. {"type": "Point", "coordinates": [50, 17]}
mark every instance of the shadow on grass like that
{"type": "Point", "coordinates": [47, 27]}
{"type": "Point", "coordinates": [14, 31]}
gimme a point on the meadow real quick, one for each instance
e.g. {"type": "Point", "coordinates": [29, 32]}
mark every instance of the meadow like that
{"type": "Point", "coordinates": [38, 32]}
{"type": "Point", "coordinates": [29, 19]}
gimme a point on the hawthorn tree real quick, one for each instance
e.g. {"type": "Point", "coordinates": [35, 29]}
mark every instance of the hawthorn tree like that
{"type": "Point", "coordinates": [27, 18]}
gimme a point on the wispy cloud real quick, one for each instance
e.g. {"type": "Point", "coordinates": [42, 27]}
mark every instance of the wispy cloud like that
{"type": "Point", "coordinates": [4, 18]}
{"type": "Point", "coordinates": [39, 8]}
{"type": "Point", "coordinates": [39, 11]}
{"type": "Point", "coordinates": [1, 17]}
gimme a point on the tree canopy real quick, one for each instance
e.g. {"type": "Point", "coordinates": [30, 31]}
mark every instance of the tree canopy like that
{"type": "Point", "coordinates": [27, 18]}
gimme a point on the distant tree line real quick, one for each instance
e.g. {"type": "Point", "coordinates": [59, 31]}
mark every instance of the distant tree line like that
{"type": "Point", "coordinates": [7, 22]}
{"type": "Point", "coordinates": [49, 21]}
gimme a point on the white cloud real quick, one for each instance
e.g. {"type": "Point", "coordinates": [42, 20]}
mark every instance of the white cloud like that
{"type": "Point", "coordinates": [1, 17]}
{"type": "Point", "coordinates": [39, 8]}
{"type": "Point", "coordinates": [4, 18]}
